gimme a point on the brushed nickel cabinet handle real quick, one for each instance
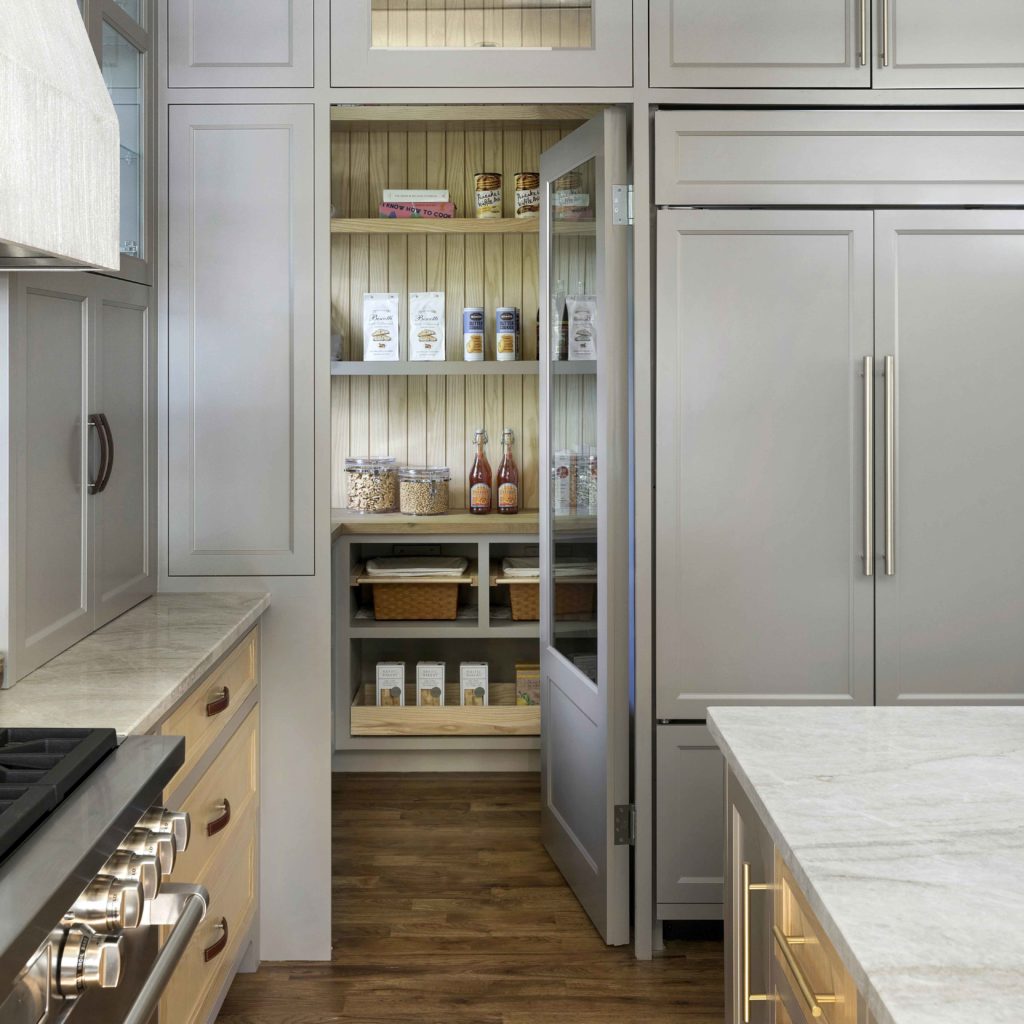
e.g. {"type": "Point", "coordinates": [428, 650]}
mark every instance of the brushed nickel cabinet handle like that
{"type": "Point", "coordinates": [219, 703]}
{"type": "Point", "coordinates": [869, 466]}
{"type": "Point", "coordinates": [221, 821]}
{"type": "Point", "coordinates": [862, 53]}
{"type": "Point", "coordinates": [890, 465]}
{"type": "Point", "coordinates": [214, 951]}
{"type": "Point", "coordinates": [748, 888]}
{"type": "Point", "coordinates": [814, 1002]}
{"type": "Point", "coordinates": [885, 33]}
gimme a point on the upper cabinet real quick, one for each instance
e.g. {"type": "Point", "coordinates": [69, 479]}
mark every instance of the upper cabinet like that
{"type": "Point", "coordinates": [835, 44]}
{"type": "Point", "coordinates": [811, 44]}
{"type": "Point", "coordinates": [481, 43]}
{"type": "Point", "coordinates": [240, 43]}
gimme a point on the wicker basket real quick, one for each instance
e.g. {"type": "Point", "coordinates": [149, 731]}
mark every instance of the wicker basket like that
{"type": "Point", "coordinates": [412, 601]}
{"type": "Point", "coordinates": [572, 600]}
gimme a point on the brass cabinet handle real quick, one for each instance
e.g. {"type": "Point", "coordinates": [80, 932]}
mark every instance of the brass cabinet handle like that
{"type": "Point", "coordinates": [221, 821]}
{"type": "Point", "coordinates": [220, 702]}
{"type": "Point", "coordinates": [885, 33]}
{"type": "Point", "coordinates": [869, 466]}
{"type": "Point", "coordinates": [748, 888]}
{"type": "Point", "coordinates": [890, 465]}
{"type": "Point", "coordinates": [214, 951]}
{"type": "Point", "coordinates": [783, 942]}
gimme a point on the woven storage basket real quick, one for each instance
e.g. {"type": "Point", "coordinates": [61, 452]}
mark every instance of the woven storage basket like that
{"type": "Point", "coordinates": [407, 601]}
{"type": "Point", "coordinates": [571, 600]}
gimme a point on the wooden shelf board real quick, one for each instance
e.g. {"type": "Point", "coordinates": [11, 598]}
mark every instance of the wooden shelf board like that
{"type": "Point", "coordinates": [503, 718]}
{"type": "Point", "coordinates": [395, 524]}
{"type": "Point", "coordinates": [392, 117]}
{"type": "Point", "coordinates": [432, 226]}
{"type": "Point", "coordinates": [464, 629]}
{"type": "Point", "coordinates": [404, 368]}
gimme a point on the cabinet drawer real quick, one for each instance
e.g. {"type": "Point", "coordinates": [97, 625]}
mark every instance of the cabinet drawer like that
{"type": "Point", "coordinates": [232, 887]}
{"type": "Point", "coordinates": [805, 966]}
{"type": "Point", "coordinates": [207, 711]}
{"type": "Point", "coordinates": [221, 801]}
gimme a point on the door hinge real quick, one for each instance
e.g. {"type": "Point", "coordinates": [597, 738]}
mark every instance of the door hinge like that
{"type": "Point", "coordinates": [625, 824]}
{"type": "Point", "coordinates": [622, 204]}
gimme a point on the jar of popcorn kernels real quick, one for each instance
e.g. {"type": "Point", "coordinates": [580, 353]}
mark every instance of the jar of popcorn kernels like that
{"type": "Point", "coordinates": [372, 484]}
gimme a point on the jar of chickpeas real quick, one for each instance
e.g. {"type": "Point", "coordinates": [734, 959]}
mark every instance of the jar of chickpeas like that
{"type": "Point", "coordinates": [423, 490]}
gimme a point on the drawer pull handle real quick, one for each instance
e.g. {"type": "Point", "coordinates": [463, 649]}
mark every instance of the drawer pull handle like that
{"type": "Point", "coordinates": [221, 821]}
{"type": "Point", "coordinates": [748, 888]}
{"type": "Point", "coordinates": [219, 703]}
{"type": "Point", "coordinates": [214, 951]}
{"type": "Point", "coordinates": [784, 942]}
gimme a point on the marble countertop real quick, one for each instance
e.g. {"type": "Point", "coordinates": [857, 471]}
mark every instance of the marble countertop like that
{"type": "Point", "coordinates": [905, 829]}
{"type": "Point", "coordinates": [130, 673]}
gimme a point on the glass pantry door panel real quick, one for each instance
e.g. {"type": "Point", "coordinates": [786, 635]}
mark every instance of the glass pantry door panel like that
{"type": "Point", "coordinates": [122, 64]}
{"type": "Point", "coordinates": [585, 536]}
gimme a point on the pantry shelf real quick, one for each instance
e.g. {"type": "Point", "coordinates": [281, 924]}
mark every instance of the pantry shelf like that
{"type": "Point", "coordinates": [466, 629]}
{"type": "Point", "coordinates": [574, 367]}
{"type": "Point", "coordinates": [392, 524]}
{"type": "Point", "coordinates": [432, 226]}
{"type": "Point", "coordinates": [402, 368]}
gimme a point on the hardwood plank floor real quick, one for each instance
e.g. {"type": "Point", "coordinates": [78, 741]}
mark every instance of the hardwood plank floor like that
{"type": "Point", "coordinates": [447, 909]}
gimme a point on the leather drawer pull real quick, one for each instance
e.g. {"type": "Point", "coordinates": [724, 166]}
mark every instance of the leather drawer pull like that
{"type": "Point", "coordinates": [214, 951]}
{"type": "Point", "coordinates": [221, 822]}
{"type": "Point", "coordinates": [219, 703]}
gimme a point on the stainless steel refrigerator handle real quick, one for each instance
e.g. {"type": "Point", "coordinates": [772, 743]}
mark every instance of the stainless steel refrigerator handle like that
{"type": "Point", "coordinates": [885, 33]}
{"type": "Point", "coordinates": [890, 465]}
{"type": "Point", "coordinates": [184, 907]}
{"type": "Point", "coordinates": [863, 52]}
{"type": "Point", "coordinates": [869, 466]}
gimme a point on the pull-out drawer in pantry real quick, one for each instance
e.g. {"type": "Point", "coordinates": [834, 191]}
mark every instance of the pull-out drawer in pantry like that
{"type": "Point", "coordinates": [222, 801]}
{"type": "Point", "coordinates": [832, 157]}
{"type": "Point", "coordinates": [214, 948]}
{"type": "Point", "coordinates": [206, 712]}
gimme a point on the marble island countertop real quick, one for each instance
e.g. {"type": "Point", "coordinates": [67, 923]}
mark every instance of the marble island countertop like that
{"type": "Point", "coordinates": [905, 829]}
{"type": "Point", "coordinates": [129, 674]}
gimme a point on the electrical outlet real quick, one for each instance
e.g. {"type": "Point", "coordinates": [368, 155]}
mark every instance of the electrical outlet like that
{"type": "Point", "coordinates": [416, 550]}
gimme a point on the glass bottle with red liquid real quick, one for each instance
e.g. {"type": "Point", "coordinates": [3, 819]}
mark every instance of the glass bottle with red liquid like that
{"type": "Point", "coordinates": [480, 477]}
{"type": "Point", "coordinates": [508, 476]}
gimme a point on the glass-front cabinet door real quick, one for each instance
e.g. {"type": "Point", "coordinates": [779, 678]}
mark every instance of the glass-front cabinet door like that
{"type": "Point", "coordinates": [481, 43]}
{"type": "Point", "coordinates": [585, 537]}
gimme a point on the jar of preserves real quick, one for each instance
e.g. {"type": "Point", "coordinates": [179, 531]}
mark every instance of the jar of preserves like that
{"type": "Point", "coordinates": [372, 484]}
{"type": "Point", "coordinates": [423, 490]}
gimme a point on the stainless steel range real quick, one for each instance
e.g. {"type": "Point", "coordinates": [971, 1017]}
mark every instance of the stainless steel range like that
{"type": "Point", "coordinates": [85, 850]}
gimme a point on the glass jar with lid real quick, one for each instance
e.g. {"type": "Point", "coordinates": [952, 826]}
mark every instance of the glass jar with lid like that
{"type": "Point", "coordinates": [372, 484]}
{"type": "Point", "coordinates": [423, 490]}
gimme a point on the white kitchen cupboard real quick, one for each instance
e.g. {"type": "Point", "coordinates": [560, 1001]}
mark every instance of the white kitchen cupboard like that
{"type": "Point", "coordinates": [240, 340]}
{"type": "Point", "coordinates": [810, 44]}
{"type": "Point", "coordinates": [239, 43]}
{"type": "Point", "coordinates": [761, 594]}
{"type": "Point", "coordinates": [481, 44]}
{"type": "Point", "coordinates": [689, 823]}
{"type": "Point", "coordinates": [81, 458]}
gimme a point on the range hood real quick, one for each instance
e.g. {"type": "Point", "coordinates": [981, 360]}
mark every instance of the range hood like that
{"type": "Point", "coordinates": [59, 143]}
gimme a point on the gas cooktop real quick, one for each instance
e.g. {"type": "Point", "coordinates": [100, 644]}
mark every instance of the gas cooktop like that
{"type": "Point", "coordinates": [38, 769]}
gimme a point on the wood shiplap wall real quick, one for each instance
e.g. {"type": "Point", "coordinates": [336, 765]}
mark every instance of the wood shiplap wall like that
{"type": "Point", "coordinates": [473, 23]}
{"type": "Point", "coordinates": [430, 419]}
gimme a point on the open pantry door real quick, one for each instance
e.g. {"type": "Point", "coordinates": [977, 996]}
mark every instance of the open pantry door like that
{"type": "Point", "coordinates": [585, 542]}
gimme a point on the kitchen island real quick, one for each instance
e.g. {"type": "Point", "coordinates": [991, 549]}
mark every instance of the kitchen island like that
{"type": "Point", "coordinates": [898, 833]}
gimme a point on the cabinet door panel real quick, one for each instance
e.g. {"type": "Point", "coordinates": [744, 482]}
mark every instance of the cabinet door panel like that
{"type": "Point", "coordinates": [691, 825]}
{"type": "Point", "coordinates": [240, 43]}
{"type": "Point", "coordinates": [124, 520]}
{"type": "Point", "coordinates": [949, 310]}
{"type": "Point", "coordinates": [241, 340]}
{"type": "Point", "coordinates": [51, 604]}
{"type": "Point", "coordinates": [763, 322]}
{"type": "Point", "coordinates": [749, 43]}
{"type": "Point", "coordinates": [935, 44]}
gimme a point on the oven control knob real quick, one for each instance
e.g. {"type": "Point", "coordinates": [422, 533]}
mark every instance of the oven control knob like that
{"type": "Point", "coordinates": [108, 904]}
{"type": "Point", "coordinates": [89, 961]}
{"type": "Point", "coordinates": [135, 867]}
{"type": "Point", "coordinates": [152, 844]}
{"type": "Point", "coordinates": [159, 819]}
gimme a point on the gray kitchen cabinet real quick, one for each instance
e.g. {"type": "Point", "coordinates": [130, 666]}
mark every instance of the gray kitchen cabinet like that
{"type": "Point", "coordinates": [240, 340]}
{"type": "Point", "coordinates": [481, 44]}
{"type": "Point", "coordinates": [239, 43]}
{"type": "Point", "coordinates": [763, 321]}
{"type": "Point", "coordinates": [689, 823]}
{"type": "Point", "coordinates": [810, 44]}
{"type": "Point", "coordinates": [749, 911]}
{"type": "Point", "coordinates": [81, 540]}
{"type": "Point", "coordinates": [949, 306]}
{"type": "Point", "coordinates": [936, 44]}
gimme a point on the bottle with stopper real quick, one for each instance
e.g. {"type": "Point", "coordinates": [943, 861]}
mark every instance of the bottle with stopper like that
{"type": "Point", "coordinates": [480, 477]}
{"type": "Point", "coordinates": [508, 476]}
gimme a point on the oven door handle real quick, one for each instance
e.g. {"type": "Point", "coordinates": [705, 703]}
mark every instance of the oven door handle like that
{"type": "Point", "coordinates": [183, 907]}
